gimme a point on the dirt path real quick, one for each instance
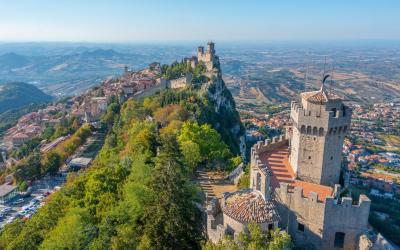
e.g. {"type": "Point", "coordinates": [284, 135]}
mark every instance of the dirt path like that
{"type": "Point", "coordinates": [213, 186]}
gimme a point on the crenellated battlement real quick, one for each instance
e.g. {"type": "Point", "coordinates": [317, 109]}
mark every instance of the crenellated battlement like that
{"type": "Point", "coordinates": [325, 119]}
{"type": "Point", "coordinates": [331, 202]}
{"type": "Point", "coordinates": [267, 145]}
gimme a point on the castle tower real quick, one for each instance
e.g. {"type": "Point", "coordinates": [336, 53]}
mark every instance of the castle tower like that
{"type": "Point", "coordinates": [210, 49]}
{"type": "Point", "coordinates": [320, 123]}
{"type": "Point", "coordinates": [200, 52]}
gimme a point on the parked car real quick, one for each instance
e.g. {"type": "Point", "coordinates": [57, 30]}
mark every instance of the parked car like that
{"type": "Point", "coordinates": [19, 201]}
{"type": "Point", "coordinates": [11, 219]}
{"type": "Point", "coordinates": [6, 210]}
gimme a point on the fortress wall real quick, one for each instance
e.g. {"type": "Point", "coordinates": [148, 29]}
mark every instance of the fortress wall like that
{"type": "Point", "coordinates": [346, 218]}
{"type": "Point", "coordinates": [215, 228]}
{"type": "Point", "coordinates": [149, 91]}
{"type": "Point", "coordinates": [321, 220]}
{"type": "Point", "coordinates": [267, 145]}
{"type": "Point", "coordinates": [180, 82]}
{"type": "Point", "coordinates": [293, 209]}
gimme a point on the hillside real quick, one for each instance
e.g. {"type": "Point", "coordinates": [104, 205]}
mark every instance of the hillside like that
{"type": "Point", "coordinates": [138, 193]}
{"type": "Point", "coordinates": [17, 94]}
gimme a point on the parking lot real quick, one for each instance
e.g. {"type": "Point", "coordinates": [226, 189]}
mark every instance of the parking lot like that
{"type": "Point", "coordinates": [25, 207]}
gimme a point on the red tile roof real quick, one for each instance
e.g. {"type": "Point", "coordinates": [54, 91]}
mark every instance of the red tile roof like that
{"type": "Point", "coordinates": [278, 162]}
{"type": "Point", "coordinates": [247, 205]}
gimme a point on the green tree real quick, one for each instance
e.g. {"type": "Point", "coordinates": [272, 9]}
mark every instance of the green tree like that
{"type": "Point", "coordinates": [191, 154]}
{"type": "Point", "coordinates": [211, 146]}
{"type": "Point", "coordinates": [51, 163]}
{"type": "Point", "coordinates": [172, 219]}
{"type": "Point", "coordinates": [256, 240]}
{"type": "Point", "coordinates": [74, 231]}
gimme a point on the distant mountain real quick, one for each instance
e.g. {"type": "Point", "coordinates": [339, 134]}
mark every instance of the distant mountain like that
{"type": "Point", "coordinates": [17, 94]}
{"type": "Point", "coordinates": [12, 60]}
{"type": "Point", "coordinates": [106, 53]}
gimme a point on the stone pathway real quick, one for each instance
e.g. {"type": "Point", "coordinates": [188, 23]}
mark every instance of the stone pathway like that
{"type": "Point", "coordinates": [212, 187]}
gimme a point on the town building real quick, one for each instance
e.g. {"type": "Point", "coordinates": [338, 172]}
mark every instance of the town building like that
{"type": "Point", "coordinates": [294, 180]}
{"type": "Point", "coordinates": [7, 193]}
{"type": "Point", "coordinates": [79, 162]}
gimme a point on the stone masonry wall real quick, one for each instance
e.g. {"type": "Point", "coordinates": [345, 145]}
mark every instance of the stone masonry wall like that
{"type": "Point", "coordinates": [321, 221]}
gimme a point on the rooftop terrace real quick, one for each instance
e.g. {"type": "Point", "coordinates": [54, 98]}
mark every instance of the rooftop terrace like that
{"type": "Point", "coordinates": [278, 162]}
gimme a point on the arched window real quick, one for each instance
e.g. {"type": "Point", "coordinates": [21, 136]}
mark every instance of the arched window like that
{"type": "Point", "coordinates": [340, 130]}
{"type": "Point", "coordinates": [344, 110]}
{"type": "Point", "coordinates": [321, 132]}
{"type": "Point", "coordinates": [309, 130]}
{"type": "Point", "coordinates": [330, 131]}
{"type": "Point", "coordinates": [315, 131]}
{"type": "Point", "coordinates": [334, 130]}
{"type": "Point", "coordinates": [303, 129]}
{"type": "Point", "coordinates": [344, 129]}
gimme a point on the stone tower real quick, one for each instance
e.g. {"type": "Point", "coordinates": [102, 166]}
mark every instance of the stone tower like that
{"type": "Point", "coordinates": [320, 123]}
{"type": "Point", "coordinates": [210, 51]}
{"type": "Point", "coordinates": [200, 52]}
{"type": "Point", "coordinates": [208, 57]}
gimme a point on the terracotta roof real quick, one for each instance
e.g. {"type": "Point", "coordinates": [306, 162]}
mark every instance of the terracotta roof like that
{"type": "Point", "coordinates": [320, 96]}
{"type": "Point", "coordinates": [247, 205]}
{"type": "Point", "coordinates": [278, 163]}
{"type": "Point", "coordinates": [20, 136]}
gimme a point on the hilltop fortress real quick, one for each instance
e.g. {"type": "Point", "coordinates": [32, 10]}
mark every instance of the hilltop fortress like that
{"type": "Point", "coordinates": [294, 182]}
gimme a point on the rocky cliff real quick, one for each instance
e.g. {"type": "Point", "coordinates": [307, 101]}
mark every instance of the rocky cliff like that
{"type": "Point", "coordinates": [226, 120]}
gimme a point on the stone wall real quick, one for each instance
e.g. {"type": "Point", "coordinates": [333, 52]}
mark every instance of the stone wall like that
{"type": "Point", "coordinates": [345, 217]}
{"type": "Point", "coordinates": [149, 91]}
{"type": "Point", "coordinates": [321, 221]}
{"type": "Point", "coordinates": [181, 82]}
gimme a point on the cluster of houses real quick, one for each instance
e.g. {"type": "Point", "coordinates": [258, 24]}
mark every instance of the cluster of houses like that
{"type": "Point", "coordinates": [31, 125]}
{"type": "Point", "coordinates": [381, 117]}
{"type": "Point", "coordinates": [278, 121]}
{"type": "Point", "coordinates": [368, 124]}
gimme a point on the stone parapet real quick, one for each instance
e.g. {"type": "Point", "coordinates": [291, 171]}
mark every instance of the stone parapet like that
{"type": "Point", "coordinates": [264, 146]}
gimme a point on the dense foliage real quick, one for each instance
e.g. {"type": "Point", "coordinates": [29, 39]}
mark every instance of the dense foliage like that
{"type": "Point", "coordinates": [132, 196]}
{"type": "Point", "coordinates": [276, 240]}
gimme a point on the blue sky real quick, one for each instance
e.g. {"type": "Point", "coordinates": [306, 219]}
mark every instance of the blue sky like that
{"type": "Point", "coordinates": [193, 20]}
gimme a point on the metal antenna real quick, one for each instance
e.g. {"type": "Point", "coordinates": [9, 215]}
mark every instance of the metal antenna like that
{"type": "Point", "coordinates": [333, 67]}
{"type": "Point", "coordinates": [323, 76]}
{"type": "Point", "coordinates": [306, 77]}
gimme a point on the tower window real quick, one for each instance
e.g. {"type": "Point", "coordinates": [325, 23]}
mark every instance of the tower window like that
{"type": "Point", "coordinates": [300, 227]}
{"type": "Point", "coordinates": [334, 112]}
{"type": "Point", "coordinates": [309, 157]}
{"type": "Point", "coordinates": [339, 239]}
{"type": "Point", "coordinates": [331, 157]}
